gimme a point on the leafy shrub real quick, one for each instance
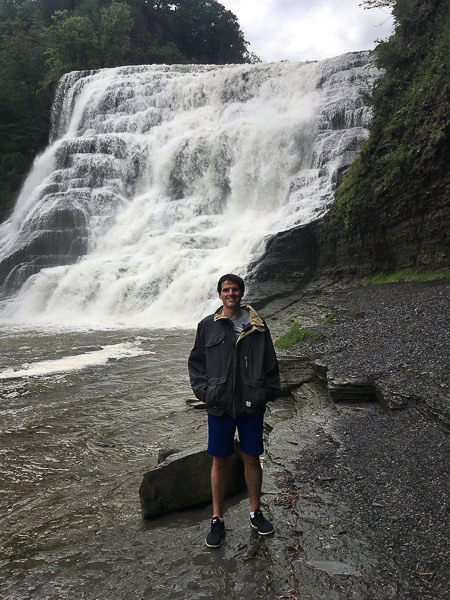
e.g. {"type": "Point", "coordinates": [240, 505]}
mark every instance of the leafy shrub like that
{"type": "Point", "coordinates": [296, 335]}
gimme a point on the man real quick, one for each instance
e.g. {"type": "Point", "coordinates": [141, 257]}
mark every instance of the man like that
{"type": "Point", "coordinates": [233, 368]}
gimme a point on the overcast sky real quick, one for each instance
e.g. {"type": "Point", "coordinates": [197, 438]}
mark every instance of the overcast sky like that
{"type": "Point", "coordinates": [300, 30]}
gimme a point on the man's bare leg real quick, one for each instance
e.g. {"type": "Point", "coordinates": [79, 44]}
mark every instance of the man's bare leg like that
{"type": "Point", "coordinates": [219, 476]}
{"type": "Point", "coordinates": [253, 479]}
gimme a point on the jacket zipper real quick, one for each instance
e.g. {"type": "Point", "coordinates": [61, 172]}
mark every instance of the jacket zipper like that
{"type": "Point", "coordinates": [234, 376]}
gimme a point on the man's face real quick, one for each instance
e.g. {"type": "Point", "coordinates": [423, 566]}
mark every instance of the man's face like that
{"type": "Point", "coordinates": [230, 294]}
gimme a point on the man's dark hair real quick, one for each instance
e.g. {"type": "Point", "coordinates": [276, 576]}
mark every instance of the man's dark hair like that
{"type": "Point", "coordinates": [234, 279]}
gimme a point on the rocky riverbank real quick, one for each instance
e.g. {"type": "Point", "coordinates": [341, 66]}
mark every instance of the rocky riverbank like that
{"type": "Point", "coordinates": [386, 342]}
{"type": "Point", "coordinates": [356, 464]}
{"type": "Point", "coordinates": [360, 489]}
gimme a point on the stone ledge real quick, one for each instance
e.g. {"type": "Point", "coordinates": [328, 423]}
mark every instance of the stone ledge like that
{"type": "Point", "coordinates": [182, 480]}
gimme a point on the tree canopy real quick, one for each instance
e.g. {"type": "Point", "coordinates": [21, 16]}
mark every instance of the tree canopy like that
{"type": "Point", "coordinates": [40, 40]}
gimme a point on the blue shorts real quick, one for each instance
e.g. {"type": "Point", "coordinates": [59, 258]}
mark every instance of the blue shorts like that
{"type": "Point", "coordinates": [221, 432]}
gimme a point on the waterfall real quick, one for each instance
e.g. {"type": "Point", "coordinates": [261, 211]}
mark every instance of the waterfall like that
{"type": "Point", "coordinates": [158, 179]}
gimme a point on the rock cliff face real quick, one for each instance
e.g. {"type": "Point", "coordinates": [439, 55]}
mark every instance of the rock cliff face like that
{"type": "Point", "coordinates": [403, 230]}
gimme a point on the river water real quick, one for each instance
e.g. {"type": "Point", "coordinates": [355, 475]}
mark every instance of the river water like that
{"type": "Point", "coordinates": [83, 414]}
{"type": "Point", "coordinates": [77, 434]}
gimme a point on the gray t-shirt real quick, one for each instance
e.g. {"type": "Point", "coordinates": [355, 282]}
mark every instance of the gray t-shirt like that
{"type": "Point", "coordinates": [240, 322]}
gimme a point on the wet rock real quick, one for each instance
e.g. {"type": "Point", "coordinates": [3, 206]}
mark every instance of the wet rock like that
{"type": "Point", "coordinates": [164, 453]}
{"type": "Point", "coordinates": [287, 265]}
{"type": "Point", "coordinates": [345, 389]}
{"type": "Point", "coordinates": [333, 567]}
{"type": "Point", "coordinates": [182, 480]}
{"type": "Point", "coordinates": [352, 390]}
{"type": "Point", "coordinates": [293, 372]}
{"type": "Point", "coordinates": [393, 399]}
{"type": "Point", "coordinates": [194, 403]}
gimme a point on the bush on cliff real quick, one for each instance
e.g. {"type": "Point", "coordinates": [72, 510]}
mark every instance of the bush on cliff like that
{"type": "Point", "coordinates": [408, 143]}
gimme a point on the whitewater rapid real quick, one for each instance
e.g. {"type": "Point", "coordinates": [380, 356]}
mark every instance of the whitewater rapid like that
{"type": "Point", "coordinates": [159, 179]}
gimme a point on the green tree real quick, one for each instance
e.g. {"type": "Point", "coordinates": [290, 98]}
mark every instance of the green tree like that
{"type": "Point", "coordinates": [17, 15]}
{"type": "Point", "coordinates": [378, 3]}
{"type": "Point", "coordinates": [22, 70]}
{"type": "Point", "coordinates": [114, 34]}
{"type": "Point", "coordinates": [71, 44]}
{"type": "Point", "coordinates": [24, 109]}
{"type": "Point", "coordinates": [207, 32]}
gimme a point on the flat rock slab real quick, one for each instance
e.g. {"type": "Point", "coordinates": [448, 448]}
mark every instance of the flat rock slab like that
{"type": "Point", "coordinates": [183, 480]}
{"type": "Point", "coordinates": [333, 567]}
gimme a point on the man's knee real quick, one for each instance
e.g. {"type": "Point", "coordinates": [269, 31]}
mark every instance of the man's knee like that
{"type": "Point", "coordinates": [220, 463]}
{"type": "Point", "coordinates": [251, 461]}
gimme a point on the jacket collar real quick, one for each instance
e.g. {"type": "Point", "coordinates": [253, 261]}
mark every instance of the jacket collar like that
{"type": "Point", "coordinates": [255, 320]}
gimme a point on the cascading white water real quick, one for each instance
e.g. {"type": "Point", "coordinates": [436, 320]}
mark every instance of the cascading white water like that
{"type": "Point", "coordinates": [172, 176]}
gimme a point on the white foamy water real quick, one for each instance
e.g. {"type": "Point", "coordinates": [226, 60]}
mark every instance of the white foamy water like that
{"type": "Point", "coordinates": [164, 178]}
{"type": "Point", "coordinates": [77, 362]}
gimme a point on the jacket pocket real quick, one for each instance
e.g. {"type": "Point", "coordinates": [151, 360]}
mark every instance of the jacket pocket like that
{"type": "Point", "coordinates": [215, 396]}
{"type": "Point", "coordinates": [255, 395]}
{"type": "Point", "coordinates": [214, 340]}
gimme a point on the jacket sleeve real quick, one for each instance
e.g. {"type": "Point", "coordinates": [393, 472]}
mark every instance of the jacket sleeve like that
{"type": "Point", "coordinates": [271, 370]}
{"type": "Point", "coordinates": [197, 366]}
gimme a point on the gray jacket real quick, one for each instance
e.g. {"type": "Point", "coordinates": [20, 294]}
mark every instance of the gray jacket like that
{"type": "Point", "coordinates": [234, 377]}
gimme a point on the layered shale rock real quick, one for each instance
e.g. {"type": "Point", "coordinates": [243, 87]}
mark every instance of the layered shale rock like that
{"type": "Point", "coordinates": [182, 480]}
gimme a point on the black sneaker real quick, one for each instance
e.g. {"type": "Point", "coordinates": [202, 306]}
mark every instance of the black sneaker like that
{"type": "Point", "coordinates": [261, 524]}
{"type": "Point", "coordinates": [214, 538]}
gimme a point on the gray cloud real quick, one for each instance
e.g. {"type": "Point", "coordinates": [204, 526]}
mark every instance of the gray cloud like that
{"type": "Point", "coordinates": [308, 30]}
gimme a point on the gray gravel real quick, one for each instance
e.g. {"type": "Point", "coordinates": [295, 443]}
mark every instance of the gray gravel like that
{"type": "Point", "coordinates": [364, 490]}
{"type": "Point", "coordinates": [394, 335]}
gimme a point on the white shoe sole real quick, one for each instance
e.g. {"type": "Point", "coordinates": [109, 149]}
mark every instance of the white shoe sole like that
{"type": "Point", "coordinates": [262, 532]}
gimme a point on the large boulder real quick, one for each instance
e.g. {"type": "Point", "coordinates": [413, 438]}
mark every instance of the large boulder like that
{"type": "Point", "coordinates": [183, 480]}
